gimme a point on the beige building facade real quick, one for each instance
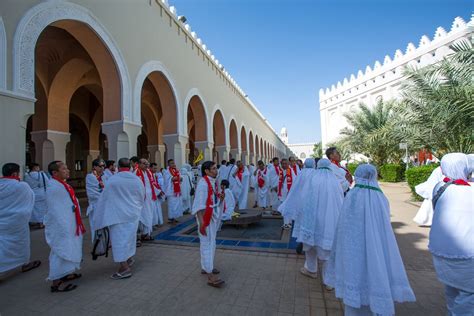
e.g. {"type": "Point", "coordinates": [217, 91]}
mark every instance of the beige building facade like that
{"type": "Point", "coordinates": [89, 78]}
{"type": "Point", "coordinates": [384, 79]}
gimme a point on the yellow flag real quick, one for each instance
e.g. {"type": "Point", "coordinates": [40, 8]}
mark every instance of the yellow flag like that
{"type": "Point", "coordinates": [199, 157]}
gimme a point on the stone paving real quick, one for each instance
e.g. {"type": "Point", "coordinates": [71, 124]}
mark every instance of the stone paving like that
{"type": "Point", "coordinates": [167, 280]}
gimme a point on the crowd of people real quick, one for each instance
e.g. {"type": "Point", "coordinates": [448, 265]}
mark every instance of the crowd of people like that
{"type": "Point", "coordinates": [342, 221]}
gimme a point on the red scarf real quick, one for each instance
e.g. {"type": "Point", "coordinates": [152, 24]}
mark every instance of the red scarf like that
{"type": "Point", "coordinates": [225, 205]}
{"type": "Point", "coordinates": [347, 171]}
{"type": "Point", "coordinates": [99, 178]}
{"type": "Point", "coordinates": [176, 187]}
{"type": "Point", "coordinates": [240, 171]}
{"type": "Point", "coordinates": [12, 178]}
{"type": "Point", "coordinates": [150, 179]}
{"type": "Point", "coordinates": [80, 229]}
{"type": "Point", "coordinates": [289, 179]}
{"type": "Point", "coordinates": [209, 202]}
{"type": "Point", "coordinates": [123, 169]}
{"type": "Point", "coordinates": [157, 185]}
{"type": "Point", "coordinates": [280, 180]}
{"type": "Point", "coordinates": [295, 169]}
{"type": "Point", "coordinates": [457, 181]}
{"type": "Point", "coordinates": [260, 179]}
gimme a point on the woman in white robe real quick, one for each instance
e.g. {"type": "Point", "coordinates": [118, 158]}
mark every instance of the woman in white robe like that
{"type": "Point", "coordinates": [316, 219]}
{"type": "Point", "coordinates": [119, 209]}
{"type": "Point", "coordinates": [365, 266]}
{"type": "Point", "coordinates": [294, 199]}
{"type": "Point", "coordinates": [186, 186]}
{"type": "Point", "coordinates": [452, 234]}
{"type": "Point", "coordinates": [16, 205]}
{"type": "Point", "coordinates": [38, 181]}
{"type": "Point", "coordinates": [424, 216]}
{"type": "Point", "coordinates": [61, 233]}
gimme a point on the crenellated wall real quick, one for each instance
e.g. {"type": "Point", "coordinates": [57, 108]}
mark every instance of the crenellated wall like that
{"type": "Point", "coordinates": [383, 79]}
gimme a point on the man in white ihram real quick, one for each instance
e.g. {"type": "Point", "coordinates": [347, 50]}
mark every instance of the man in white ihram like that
{"type": "Point", "coordinates": [63, 229]}
{"type": "Point", "coordinates": [16, 204]}
{"type": "Point", "coordinates": [119, 209]}
{"type": "Point", "coordinates": [38, 181]}
{"type": "Point", "coordinates": [274, 173]}
{"type": "Point", "coordinates": [207, 211]}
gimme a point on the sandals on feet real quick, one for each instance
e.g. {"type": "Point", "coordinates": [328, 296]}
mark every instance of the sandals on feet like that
{"type": "Point", "coordinates": [30, 266]}
{"type": "Point", "coordinates": [139, 243]}
{"type": "Point", "coordinates": [67, 288]}
{"type": "Point", "coordinates": [217, 283]}
{"type": "Point", "coordinates": [71, 277]}
{"type": "Point", "coordinates": [309, 274]}
{"type": "Point", "coordinates": [121, 275]}
{"type": "Point", "coordinates": [214, 271]}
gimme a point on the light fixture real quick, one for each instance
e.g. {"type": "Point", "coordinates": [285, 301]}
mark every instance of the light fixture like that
{"type": "Point", "coordinates": [182, 18]}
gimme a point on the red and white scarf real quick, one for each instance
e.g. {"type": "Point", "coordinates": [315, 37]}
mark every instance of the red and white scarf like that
{"type": "Point", "coordinates": [99, 178]}
{"type": "Point", "coordinates": [12, 178]}
{"type": "Point", "coordinates": [289, 181]}
{"type": "Point", "coordinates": [347, 171]}
{"type": "Point", "coordinates": [295, 169]}
{"type": "Point", "coordinates": [150, 180]}
{"type": "Point", "coordinates": [209, 204]}
{"type": "Point", "coordinates": [260, 179]}
{"type": "Point", "coordinates": [240, 172]}
{"type": "Point", "coordinates": [457, 181]}
{"type": "Point", "coordinates": [80, 229]}
{"type": "Point", "coordinates": [176, 183]}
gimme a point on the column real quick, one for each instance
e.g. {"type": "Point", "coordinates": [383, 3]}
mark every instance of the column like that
{"type": "Point", "coordinates": [223, 152]}
{"type": "Point", "coordinates": [161, 156]}
{"type": "Point", "coordinates": [154, 153]}
{"type": "Point", "coordinates": [176, 148]}
{"type": "Point", "coordinates": [14, 113]}
{"type": "Point", "coordinates": [235, 153]}
{"type": "Point", "coordinates": [206, 148]}
{"type": "Point", "coordinates": [121, 138]}
{"type": "Point", "coordinates": [50, 146]}
{"type": "Point", "coordinates": [91, 155]}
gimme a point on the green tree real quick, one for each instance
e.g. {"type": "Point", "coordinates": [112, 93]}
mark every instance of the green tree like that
{"type": "Point", "coordinates": [438, 104]}
{"type": "Point", "coordinates": [370, 132]}
{"type": "Point", "coordinates": [317, 150]}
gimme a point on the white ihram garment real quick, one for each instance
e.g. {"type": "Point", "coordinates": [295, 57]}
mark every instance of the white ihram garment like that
{"type": "Point", "coordinates": [186, 187]}
{"type": "Point", "coordinates": [119, 208]}
{"type": "Point", "coordinates": [424, 216]}
{"type": "Point", "coordinates": [93, 191]}
{"type": "Point", "coordinates": [60, 232]}
{"type": "Point", "coordinates": [296, 197]}
{"type": "Point", "coordinates": [452, 237]}
{"type": "Point", "coordinates": [38, 182]}
{"type": "Point", "coordinates": [273, 181]}
{"type": "Point", "coordinates": [175, 204]}
{"type": "Point", "coordinates": [340, 174]}
{"type": "Point", "coordinates": [234, 184]}
{"type": "Point", "coordinates": [252, 169]}
{"type": "Point", "coordinates": [244, 189]}
{"type": "Point", "coordinates": [16, 204]}
{"type": "Point", "coordinates": [262, 192]}
{"type": "Point", "coordinates": [228, 207]}
{"type": "Point", "coordinates": [365, 266]}
{"type": "Point", "coordinates": [148, 212]}
{"type": "Point", "coordinates": [284, 192]}
{"type": "Point", "coordinates": [207, 244]}
{"type": "Point", "coordinates": [107, 174]}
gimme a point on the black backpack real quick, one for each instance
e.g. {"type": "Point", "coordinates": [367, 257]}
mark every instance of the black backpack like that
{"type": "Point", "coordinates": [101, 243]}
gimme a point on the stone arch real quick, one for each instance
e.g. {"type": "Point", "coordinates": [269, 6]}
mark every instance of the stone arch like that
{"type": "Point", "coordinates": [3, 56]}
{"type": "Point", "coordinates": [164, 83]}
{"type": "Point", "coordinates": [257, 148]}
{"type": "Point", "coordinates": [196, 122]}
{"type": "Point", "coordinates": [218, 128]}
{"type": "Point", "coordinates": [192, 95]}
{"type": "Point", "coordinates": [87, 29]}
{"type": "Point", "coordinates": [243, 139]}
{"type": "Point", "coordinates": [233, 135]}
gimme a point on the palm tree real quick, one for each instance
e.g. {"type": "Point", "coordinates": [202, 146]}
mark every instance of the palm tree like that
{"type": "Point", "coordinates": [438, 104]}
{"type": "Point", "coordinates": [370, 132]}
{"type": "Point", "coordinates": [317, 150]}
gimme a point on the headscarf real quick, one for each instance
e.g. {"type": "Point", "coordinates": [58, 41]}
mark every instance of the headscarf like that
{"type": "Point", "coordinates": [455, 166]}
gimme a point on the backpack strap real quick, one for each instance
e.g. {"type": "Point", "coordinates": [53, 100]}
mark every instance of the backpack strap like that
{"type": "Point", "coordinates": [440, 192]}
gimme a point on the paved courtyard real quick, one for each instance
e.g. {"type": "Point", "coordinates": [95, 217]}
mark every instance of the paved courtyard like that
{"type": "Point", "coordinates": [167, 280]}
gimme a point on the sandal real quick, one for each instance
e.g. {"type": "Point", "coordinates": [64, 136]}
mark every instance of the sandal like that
{"type": "Point", "coordinates": [147, 238]}
{"type": "Point", "coordinates": [214, 271]}
{"type": "Point", "coordinates": [67, 288]}
{"type": "Point", "coordinates": [71, 277]}
{"type": "Point", "coordinates": [30, 266]}
{"type": "Point", "coordinates": [217, 283]}
{"type": "Point", "coordinates": [131, 262]}
{"type": "Point", "coordinates": [309, 274]}
{"type": "Point", "coordinates": [139, 244]}
{"type": "Point", "coordinates": [123, 275]}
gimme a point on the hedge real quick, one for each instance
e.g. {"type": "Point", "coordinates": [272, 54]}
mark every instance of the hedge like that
{"type": "Point", "coordinates": [392, 172]}
{"type": "Point", "coordinates": [417, 175]}
{"type": "Point", "coordinates": [352, 166]}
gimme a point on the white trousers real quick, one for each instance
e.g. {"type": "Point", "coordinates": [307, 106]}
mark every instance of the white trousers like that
{"type": "Point", "coordinates": [207, 246]}
{"type": "Point", "coordinates": [312, 254]}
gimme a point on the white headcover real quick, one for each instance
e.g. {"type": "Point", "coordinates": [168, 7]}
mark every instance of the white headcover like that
{"type": "Point", "coordinates": [365, 267]}
{"type": "Point", "coordinates": [452, 231]}
{"type": "Point", "coordinates": [321, 202]}
{"type": "Point", "coordinates": [470, 158]}
{"type": "Point", "coordinates": [425, 189]}
{"type": "Point", "coordinates": [455, 166]}
{"type": "Point", "coordinates": [296, 196]}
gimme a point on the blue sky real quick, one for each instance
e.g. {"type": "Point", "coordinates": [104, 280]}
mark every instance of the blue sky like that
{"type": "Point", "coordinates": [281, 52]}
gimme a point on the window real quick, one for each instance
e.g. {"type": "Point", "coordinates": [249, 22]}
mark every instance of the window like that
{"type": "Point", "coordinates": [302, 156]}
